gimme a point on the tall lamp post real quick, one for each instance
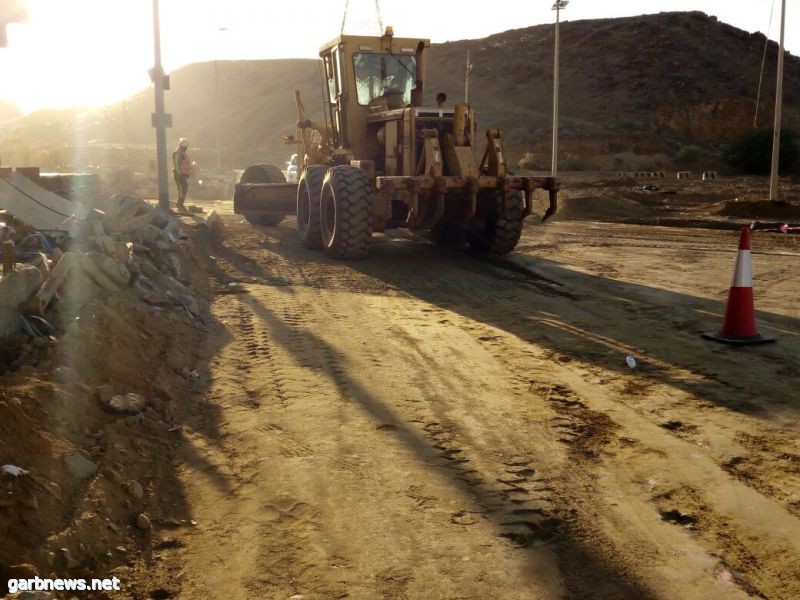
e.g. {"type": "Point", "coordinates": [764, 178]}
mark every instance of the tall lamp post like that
{"type": "Point", "coordinates": [216, 99]}
{"type": "Point", "coordinates": [160, 119]}
{"type": "Point", "coordinates": [558, 6]}
{"type": "Point", "coordinates": [776, 130]}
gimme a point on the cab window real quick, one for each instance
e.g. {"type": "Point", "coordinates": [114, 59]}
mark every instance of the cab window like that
{"type": "Point", "coordinates": [377, 74]}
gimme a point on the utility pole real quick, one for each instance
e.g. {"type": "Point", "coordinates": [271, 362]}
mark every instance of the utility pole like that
{"type": "Point", "coordinates": [160, 119]}
{"type": "Point", "coordinates": [125, 140]}
{"type": "Point", "coordinates": [776, 130]}
{"type": "Point", "coordinates": [216, 99]}
{"type": "Point", "coordinates": [558, 7]}
{"type": "Point", "coordinates": [466, 79]}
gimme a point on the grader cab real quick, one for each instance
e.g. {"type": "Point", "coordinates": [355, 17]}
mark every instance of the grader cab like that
{"type": "Point", "coordinates": [383, 159]}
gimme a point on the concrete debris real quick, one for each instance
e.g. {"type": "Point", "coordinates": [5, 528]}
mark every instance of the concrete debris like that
{"type": "Point", "coordinates": [37, 207]}
{"type": "Point", "coordinates": [116, 243]}
{"type": "Point", "coordinates": [16, 288]}
{"type": "Point", "coordinates": [13, 470]}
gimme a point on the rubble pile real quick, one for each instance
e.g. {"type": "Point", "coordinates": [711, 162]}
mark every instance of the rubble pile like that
{"type": "Point", "coordinates": [101, 313]}
{"type": "Point", "coordinates": [123, 242]}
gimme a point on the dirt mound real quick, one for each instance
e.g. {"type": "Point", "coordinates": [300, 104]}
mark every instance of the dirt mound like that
{"type": "Point", "coordinates": [89, 410]}
{"type": "Point", "coordinates": [602, 208]}
{"type": "Point", "coordinates": [761, 209]}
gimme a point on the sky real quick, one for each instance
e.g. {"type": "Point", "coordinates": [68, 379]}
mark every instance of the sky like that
{"type": "Point", "coordinates": [95, 52]}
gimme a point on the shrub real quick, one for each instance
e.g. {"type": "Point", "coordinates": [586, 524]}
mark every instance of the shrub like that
{"type": "Point", "coordinates": [572, 162]}
{"type": "Point", "coordinates": [687, 154]}
{"type": "Point", "coordinates": [533, 162]}
{"type": "Point", "coordinates": [750, 152]}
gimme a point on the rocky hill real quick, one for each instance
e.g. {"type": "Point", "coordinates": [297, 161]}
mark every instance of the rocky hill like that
{"type": "Point", "coordinates": [8, 111]}
{"type": "Point", "coordinates": [633, 91]}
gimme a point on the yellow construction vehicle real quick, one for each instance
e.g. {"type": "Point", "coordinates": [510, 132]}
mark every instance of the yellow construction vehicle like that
{"type": "Point", "coordinates": [382, 159]}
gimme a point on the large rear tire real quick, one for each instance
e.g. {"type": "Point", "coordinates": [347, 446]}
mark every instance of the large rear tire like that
{"type": "Point", "coordinates": [346, 212]}
{"type": "Point", "coordinates": [263, 174]}
{"type": "Point", "coordinates": [502, 230]}
{"type": "Point", "coordinates": [309, 190]}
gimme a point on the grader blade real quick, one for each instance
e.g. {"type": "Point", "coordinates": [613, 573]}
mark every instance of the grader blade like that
{"type": "Point", "coordinates": [265, 198]}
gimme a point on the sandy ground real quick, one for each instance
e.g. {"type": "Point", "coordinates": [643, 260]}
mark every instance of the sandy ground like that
{"type": "Point", "coordinates": [425, 424]}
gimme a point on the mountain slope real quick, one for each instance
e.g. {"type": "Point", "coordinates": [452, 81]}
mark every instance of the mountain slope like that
{"type": "Point", "coordinates": [632, 87]}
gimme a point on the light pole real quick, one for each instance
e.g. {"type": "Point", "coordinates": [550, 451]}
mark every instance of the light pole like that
{"type": "Point", "coordinates": [160, 118]}
{"type": "Point", "coordinates": [776, 130]}
{"type": "Point", "coordinates": [558, 6]}
{"type": "Point", "coordinates": [216, 98]}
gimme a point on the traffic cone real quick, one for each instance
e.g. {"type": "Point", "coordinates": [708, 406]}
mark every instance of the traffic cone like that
{"type": "Point", "coordinates": [739, 326]}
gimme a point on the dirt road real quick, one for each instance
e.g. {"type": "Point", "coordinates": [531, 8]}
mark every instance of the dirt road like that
{"type": "Point", "coordinates": [423, 424]}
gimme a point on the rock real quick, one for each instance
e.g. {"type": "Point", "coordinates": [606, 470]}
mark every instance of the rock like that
{"type": "Point", "coordinates": [68, 559]}
{"type": "Point", "coordinates": [127, 403]}
{"type": "Point", "coordinates": [135, 489]}
{"type": "Point", "coordinates": [81, 388]}
{"type": "Point", "coordinates": [30, 501]}
{"type": "Point", "coordinates": [64, 374]}
{"type": "Point", "coordinates": [54, 489]}
{"type": "Point", "coordinates": [143, 522]}
{"type": "Point", "coordinates": [80, 467]}
{"type": "Point", "coordinates": [104, 393]}
{"type": "Point", "coordinates": [23, 571]}
{"type": "Point", "coordinates": [33, 596]}
{"type": "Point", "coordinates": [13, 470]}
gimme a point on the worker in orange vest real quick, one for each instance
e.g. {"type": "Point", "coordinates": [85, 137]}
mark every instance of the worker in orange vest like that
{"type": "Point", "coordinates": [181, 169]}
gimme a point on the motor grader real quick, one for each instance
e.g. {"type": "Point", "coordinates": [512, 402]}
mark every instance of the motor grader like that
{"type": "Point", "coordinates": [382, 159]}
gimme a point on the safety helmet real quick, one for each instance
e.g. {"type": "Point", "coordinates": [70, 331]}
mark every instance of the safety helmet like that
{"type": "Point", "coordinates": [183, 143]}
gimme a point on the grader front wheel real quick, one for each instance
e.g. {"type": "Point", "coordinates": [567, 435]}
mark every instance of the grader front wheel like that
{"type": "Point", "coordinates": [346, 212]}
{"type": "Point", "coordinates": [503, 228]}
{"type": "Point", "coordinates": [309, 190]}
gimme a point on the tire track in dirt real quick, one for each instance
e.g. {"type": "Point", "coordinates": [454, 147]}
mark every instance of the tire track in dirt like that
{"type": "Point", "coordinates": [527, 500]}
{"type": "Point", "coordinates": [531, 457]}
{"type": "Point", "coordinates": [587, 432]}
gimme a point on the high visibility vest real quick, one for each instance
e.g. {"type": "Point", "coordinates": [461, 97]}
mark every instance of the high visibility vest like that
{"type": "Point", "coordinates": [182, 163]}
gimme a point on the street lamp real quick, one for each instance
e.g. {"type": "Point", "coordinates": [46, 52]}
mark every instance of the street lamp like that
{"type": "Point", "coordinates": [558, 6]}
{"type": "Point", "coordinates": [216, 97]}
{"type": "Point", "coordinates": [160, 119]}
{"type": "Point", "coordinates": [776, 129]}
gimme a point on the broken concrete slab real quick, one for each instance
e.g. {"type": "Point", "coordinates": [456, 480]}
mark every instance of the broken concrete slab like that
{"type": "Point", "coordinates": [39, 208]}
{"type": "Point", "coordinates": [57, 277]}
{"type": "Point", "coordinates": [16, 288]}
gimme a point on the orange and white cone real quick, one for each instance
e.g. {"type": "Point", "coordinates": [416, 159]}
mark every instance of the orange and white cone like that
{"type": "Point", "coordinates": [739, 326]}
